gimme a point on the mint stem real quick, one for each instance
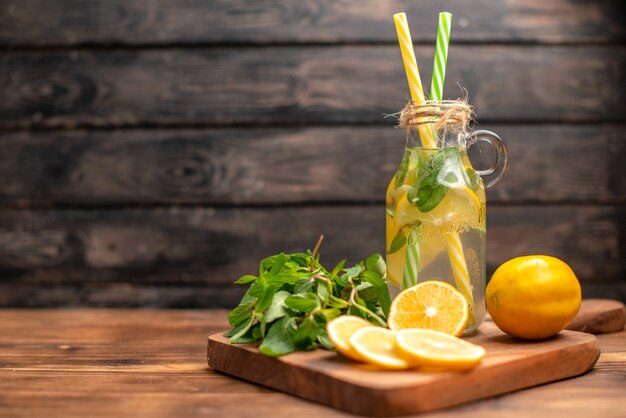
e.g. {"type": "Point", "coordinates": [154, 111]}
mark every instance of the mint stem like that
{"type": "Point", "coordinates": [317, 246]}
{"type": "Point", "coordinates": [315, 251]}
{"type": "Point", "coordinates": [353, 302]}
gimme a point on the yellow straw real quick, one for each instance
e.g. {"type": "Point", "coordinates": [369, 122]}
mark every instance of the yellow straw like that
{"type": "Point", "coordinates": [453, 242]}
{"type": "Point", "coordinates": [412, 74]}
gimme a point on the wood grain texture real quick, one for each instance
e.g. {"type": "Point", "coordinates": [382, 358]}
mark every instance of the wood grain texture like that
{"type": "Point", "coordinates": [292, 86]}
{"type": "Point", "coordinates": [128, 292]}
{"type": "Point", "coordinates": [187, 247]}
{"type": "Point", "coordinates": [235, 83]}
{"type": "Point", "coordinates": [162, 22]}
{"type": "Point", "coordinates": [597, 316]}
{"type": "Point", "coordinates": [548, 164]}
{"type": "Point", "coordinates": [103, 363]}
{"type": "Point", "coordinates": [123, 293]}
{"type": "Point", "coordinates": [333, 380]}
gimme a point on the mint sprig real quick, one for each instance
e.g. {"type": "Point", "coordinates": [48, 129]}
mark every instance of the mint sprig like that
{"type": "Point", "coordinates": [429, 191]}
{"type": "Point", "coordinates": [289, 303]}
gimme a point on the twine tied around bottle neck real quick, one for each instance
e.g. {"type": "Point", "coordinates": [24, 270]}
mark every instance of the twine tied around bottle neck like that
{"type": "Point", "coordinates": [443, 115]}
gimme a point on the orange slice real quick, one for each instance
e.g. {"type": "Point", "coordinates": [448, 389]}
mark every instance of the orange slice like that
{"type": "Point", "coordinates": [377, 346]}
{"type": "Point", "coordinates": [430, 305]}
{"type": "Point", "coordinates": [434, 349]}
{"type": "Point", "coordinates": [340, 330]}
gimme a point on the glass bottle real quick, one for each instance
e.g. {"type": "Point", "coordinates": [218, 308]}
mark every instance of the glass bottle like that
{"type": "Point", "coordinates": [436, 216]}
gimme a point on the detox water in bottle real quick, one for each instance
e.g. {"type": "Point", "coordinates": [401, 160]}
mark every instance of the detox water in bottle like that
{"type": "Point", "coordinates": [436, 218]}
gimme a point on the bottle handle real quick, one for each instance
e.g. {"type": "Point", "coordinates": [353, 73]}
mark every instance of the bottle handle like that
{"type": "Point", "coordinates": [491, 175]}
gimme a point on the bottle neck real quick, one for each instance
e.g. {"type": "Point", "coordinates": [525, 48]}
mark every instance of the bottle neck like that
{"type": "Point", "coordinates": [443, 140]}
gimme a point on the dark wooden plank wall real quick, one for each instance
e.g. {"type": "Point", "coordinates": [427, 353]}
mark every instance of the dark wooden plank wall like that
{"type": "Point", "coordinates": [152, 151]}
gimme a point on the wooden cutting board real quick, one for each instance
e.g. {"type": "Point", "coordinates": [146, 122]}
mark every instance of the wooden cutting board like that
{"type": "Point", "coordinates": [598, 316]}
{"type": "Point", "coordinates": [328, 378]}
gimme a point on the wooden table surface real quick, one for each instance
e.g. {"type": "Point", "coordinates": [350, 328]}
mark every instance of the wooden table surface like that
{"type": "Point", "coordinates": [152, 363]}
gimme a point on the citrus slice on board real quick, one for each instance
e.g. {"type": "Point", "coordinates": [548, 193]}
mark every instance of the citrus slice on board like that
{"type": "Point", "coordinates": [433, 349]}
{"type": "Point", "coordinates": [340, 330]}
{"type": "Point", "coordinates": [430, 305]}
{"type": "Point", "coordinates": [377, 346]}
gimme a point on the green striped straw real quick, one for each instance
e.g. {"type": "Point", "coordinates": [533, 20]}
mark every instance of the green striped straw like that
{"type": "Point", "coordinates": [461, 277]}
{"type": "Point", "coordinates": [441, 56]}
{"type": "Point", "coordinates": [412, 257]}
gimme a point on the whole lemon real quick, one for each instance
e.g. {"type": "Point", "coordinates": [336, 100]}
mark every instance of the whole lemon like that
{"type": "Point", "coordinates": [533, 297]}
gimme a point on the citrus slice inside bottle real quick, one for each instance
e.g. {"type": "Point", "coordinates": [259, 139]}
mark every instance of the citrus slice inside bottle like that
{"type": "Point", "coordinates": [459, 210]}
{"type": "Point", "coordinates": [429, 249]}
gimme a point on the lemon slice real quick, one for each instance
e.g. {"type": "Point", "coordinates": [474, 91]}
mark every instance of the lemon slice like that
{"type": "Point", "coordinates": [431, 305]}
{"type": "Point", "coordinates": [340, 330]}
{"type": "Point", "coordinates": [395, 261]}
{"type": "Point", "coordinates": [395, 193]}
{"type": "Point", "coordinates": [432, 244]}
{"type": "Point", "coordinates": [459, 209]}
{"type": "Point", "coordinates": [434, 349]}
{"type": "Point", "coordinates": [377, 346]}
